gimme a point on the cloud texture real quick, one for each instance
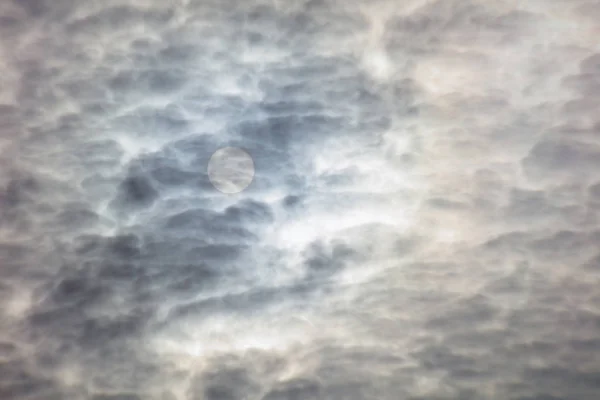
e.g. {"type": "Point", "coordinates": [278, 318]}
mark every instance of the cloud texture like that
{"type": "Point", "coordinates": [423, 222]}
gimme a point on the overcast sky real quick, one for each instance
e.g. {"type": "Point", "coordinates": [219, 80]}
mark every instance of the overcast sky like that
{"type": "Point", "coordinates": [422, 223]}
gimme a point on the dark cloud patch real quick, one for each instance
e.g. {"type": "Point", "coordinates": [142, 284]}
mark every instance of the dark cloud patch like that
{"type": "Point", "coordinates": [466, 314]}
{"type": "Point", "coordinates": [120, 247]}
{"type": "Point", "coordinates": [187, 278]}
{"type": "Point", "coordinates": [248, 211]}
{"type": "Point", "coordinates": [76, 216]}
{"type": "Point", "coordinates": [59, 324]}
{"type": "Point", "coordinates": [119, 17]}
{"type": "Point", "coordinates": [446, 204]}
{"type": "Point", "coordinates": [556, 157]}
{"type": "Point", "coordinates": [168, 174]}
{"type": "Point", "coordinates": [159, 81]}
{"type": "Point", "coordinates": [215, 227]}
{"type": "Point", "coordinates": [436, 24]}
{"type": "Point", "coordinates": [124, 246]}
{"type": "Point", "coordinates": [29, 387]}
{"type": "Point", "coordinates": [119, 271]}
{"type": "Point", "coordinates": [79, 290]}
{"type": "Point", "coordinates": [586, 83]}
{"type": "Point", "coordinates": [120, 396]}
{"type": "Point", "coordinates": [189, 219]}
{"type": "Point", "coordinates": [581, 383]}
{"type": "Point", "coordinates": [20, 189]}
{"type": "Point", "coordinates": [539, 397]}
{"type": "Point", "coordinates": [593, 264]}
{"type": "Point", "coordinates": [261, 298]}
{"type": "Point", "coordinates": [13, 251]}
{"type": "Point", "coordinates": [589, 346]}
{"type": "Point", "coordinates": [185, 247]}
{"type": "Point", "coordinates": [594, 194]}
{"type": "Point", "coordinates": [292, 201]}
{"type": "Point", "coordinates": [98, 332]}
{"type": "Point", "coordinates": [478, 339]}
{"type": "Point", "coordinates": [530, 204]}
{"type": "Point", "coordinates": [177, 252]}
{"type": "Point", "coordinates": [301, 389]}
{"type": "Point", "coordinates": [513, 284]}
{"type": "Point", "coordinates": [566, 245]}
{"type": "Point", "coordinates": [591, 65]}
{"type": "Point", "coordinates": [228, 383]}
{"type": "Point", "coordinates": [179, 53]}
{"type": "Point", "coordinates": [508, 240]}
{"type": "Point", "coordinates": [273, 132]}
{"type": "Point", "coordinates": [135, 191]}
{"type": "Point", "coordinates": [85, 332]}
{"type": "Point", "coordinates": [7, 350]}
{"type": "Point", "coordinates": [582, 107]}
{"type": "Point", "coordinates": [325, 259]}
{"type": "Point", "coordinates": [35, 8]}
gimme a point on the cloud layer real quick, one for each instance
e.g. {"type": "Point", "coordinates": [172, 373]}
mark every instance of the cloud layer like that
{"type": "Point", "coordinates": [422, 223]}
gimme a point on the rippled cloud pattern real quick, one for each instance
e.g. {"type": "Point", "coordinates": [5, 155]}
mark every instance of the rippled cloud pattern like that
{"type": "Point", "coordinates": [422, 223]}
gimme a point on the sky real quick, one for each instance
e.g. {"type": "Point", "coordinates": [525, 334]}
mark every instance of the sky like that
{"type": "Point", "coordinates": [419, 219]}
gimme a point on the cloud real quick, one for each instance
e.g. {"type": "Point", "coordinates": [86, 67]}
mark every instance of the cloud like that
{"type": "Point", "coordinates": [422, 224]}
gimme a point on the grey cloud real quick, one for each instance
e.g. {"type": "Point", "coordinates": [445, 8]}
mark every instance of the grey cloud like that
{"type": "Point", "coordinates": [135, 191]}
{"type": "Point", "coordinates": [558, 157]}
{"type": "Point", "coordinates": [229, 383]}
{"type": "Point", "coordinates": [408, 233]}
{"type": "Point", "coordinates": [116, 397]}
{"type": "Point", "coordinates": [299, 389]}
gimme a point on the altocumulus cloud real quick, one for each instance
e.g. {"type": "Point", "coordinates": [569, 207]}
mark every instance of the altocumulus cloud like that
{"type": "Point", "coordinates": [422, 221]}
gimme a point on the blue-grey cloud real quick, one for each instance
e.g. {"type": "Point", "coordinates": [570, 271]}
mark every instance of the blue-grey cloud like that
{"type": "Point", "coordinates": [422, 223]}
